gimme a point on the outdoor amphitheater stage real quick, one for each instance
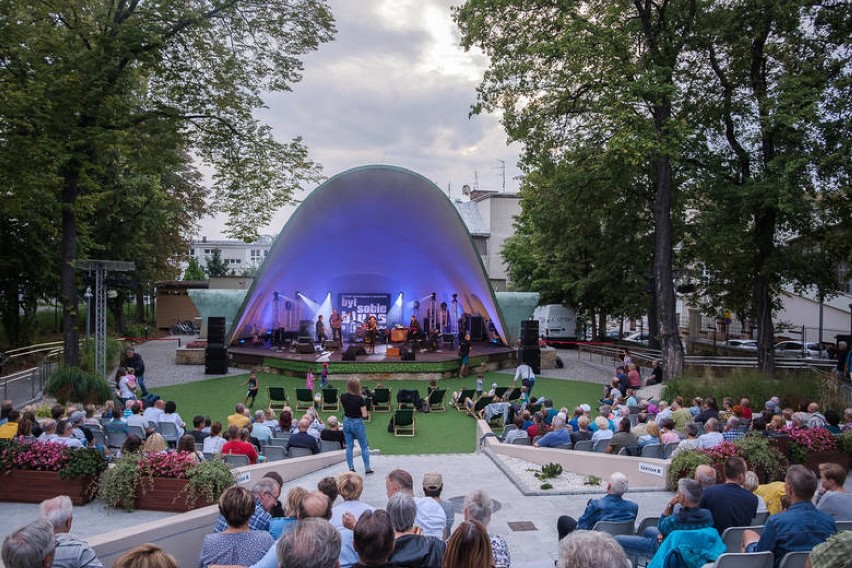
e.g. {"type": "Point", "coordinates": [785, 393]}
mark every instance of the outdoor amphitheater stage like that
{"type": "Point", "coordinates": [387, 358]}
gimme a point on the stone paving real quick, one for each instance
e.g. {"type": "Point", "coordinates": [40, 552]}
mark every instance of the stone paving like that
{"type": "Point", "coordinates": [462, 473]}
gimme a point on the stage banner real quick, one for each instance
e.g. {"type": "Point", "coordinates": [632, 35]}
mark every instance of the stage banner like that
{"type": "Point", "coordinates": [356, 308]}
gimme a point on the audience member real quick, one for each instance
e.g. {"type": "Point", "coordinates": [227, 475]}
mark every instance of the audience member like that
{"type": "Point", "coordinates": [410, 547]}
{"type": "Point", "coordinates": [302, 439]}
{"type": "Point", "coordinates": [154, 413]}
{"type": "Point", "coordinates": [314, 543]}
{"type": "Point", "coordinates": [198, 429]}
{"type": "Point", "coordinates": [705, 475]}
{"type": "Point", "coordinates": [373, 539]}
{"type": "Point", "coordinates": [582, 432]}
{"type": "Point", "coordinates": [558, 435]}
{"type": "Point", "coordinates": [711, 437]}
{"type": "Point", "coordinates": [214, 442]}
{"type": "Point", "coordinates": [332, 432]}
{"type": "Point", "coordinates": [477, 507]}
{"type": "Point", "coordinates": [801, 527]}
{"type": "Point", "coordinates": [71, 552]}
{"type": "Point", "coordinates": [265, 493]}
{"type": "Point", "coordinates": [751, 484]}
{"type": "Point", "coordinates": [430, 515]}
{"type": "Point", "coordinates": [9, 429]}
{"type": "Point", "coordinates": [239, 418]}
{"type": "Point", "coordinates": [709, 410]}
{"type": "Point", "coordinates": [612, 507]}
{"type": "Point", "coordinates": [831, 497]}
{"type": "Point", "coordinates": [591, 549]}
{"type": "Point", "coordinates": [603, 432]}
{"type": "Point", "coordinates": [469, 547]}
{"type": "Point", "coordinates": [31, 546]}
{"type": "Point", "coordinates": [238, 444]}
{"type": "Point", "coordinates": [237, 544]}
{"type": "Point", "coordinates": [623, 438]}
{"type": "Point", "coordinates": [350, 486]}
{"type": "Point", "coordinates": [146, 556]}
{"type": "Point", "coordinates": [833, 553]}
{"type": "Point", "coordinates": [433, 485]}
{"type": "Point", "coordinates": [154, 441]}
{"type": "Point", "coordinates": [730, 504]}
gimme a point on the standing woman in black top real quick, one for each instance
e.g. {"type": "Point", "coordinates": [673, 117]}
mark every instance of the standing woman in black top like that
{"type": "Point", "coordinates": [354, 413]}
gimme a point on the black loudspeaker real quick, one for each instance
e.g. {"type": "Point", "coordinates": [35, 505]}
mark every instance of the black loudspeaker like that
{"type": "Point", "coordinates": [352, 352]}
{"type": "Point", "coordinates": [529, 333]}
{"type": "Point", "coordinates": [215, 330]}
{"type": "Point", "coordinates": [448, 338]}
{"type": "Point", "coordinates": [306, 327]}
{"type": "Point", "coordinates": [531, 356]}
{"type": "Point", "coordinates": [305, 348]}
{"type": "Point", "coordinates": [331, 345]}
{"type": "Point", "coordinates": [407, 354]}
{"type": "Point", "coordinates": [477, 329]}
{"type": "Point", "coordinates": [215, 360]}
{"type": "Point", "coordinates": [425, 327]}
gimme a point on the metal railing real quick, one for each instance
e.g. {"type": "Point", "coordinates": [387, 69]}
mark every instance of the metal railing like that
{"type": "Point", "coordinates": [25, 385]}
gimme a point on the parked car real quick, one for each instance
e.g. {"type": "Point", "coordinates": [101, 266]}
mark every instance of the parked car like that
{"type": "Point", "coordinates": [747, 344]}
{"type": "Point", "coordinates": [638, 337]}
{"type": "Point", "coordinates": [796, 349]}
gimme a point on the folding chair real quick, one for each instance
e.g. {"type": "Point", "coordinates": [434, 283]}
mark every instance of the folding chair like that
{"type": "Point", "coordinates": [795, 559]}
{"type": "Point", "coordinates": [280, 442]}
{"type": "Point", "coordinates": [568, 446]}
{"type": "Point", "coordinates": [522, 441]}
{"type": "Point", "coordinates": [274, 453]}
{"type": "Point", "coordinates": [329, 446]}
{"type": "Point", "coordinates": [600, 446]}
{"type": "Point", "coordinates": [99, 437]}
{"type": "Point", "coordinates": [500, 392]}
{"type": "Point", "coordinates": [116, 438]}
{"type": "Point", "coordinates": [651, 451]}
{"type": "Point", "coordinates": [330, 401]}
{"type": "Point", "coordinates": [236, 460]}
{"type": "Point", "coordinates": [436, 400]}
{"type": "Point", "coordinates": [382, 400]}
{"type": "Point", "coordinates": [632, 451]}
{"type": "Point", "coordinates": [506, 429]}
{"type": "Point", "coordinates": [304, 399]}
{"type": "Point", "coordinates": [404, 422]}
{"type": "Point", "coordinates": [583, 446]}
{"type": "Point", "coordinates": [209, 456]}
{"type": "Point", "coordinates": [536, 439]}
{"type": "Point", "coordinates": [137, 431]}
{"type": "Point", "coordinates": [761, 516]}
{"type": "Point", "coordinates": [614, 527]}
{"type": "Point", "coordinates": [733, 537]}
{"type": "Point", "coordinates": [844, 526]}
{"type": "Point", "coordinates": [745, 560]}
{"type": "Point", "coordinates": [300, 452]}
{"type": "Point", "coordinates": [668, 449]}
{"type": "Point", "coordinates": [169, 431]}
{"type": "Point", "coordinates": [513, 394]}
{"type": "Point", "coordinates": [481, 403]}
{"type": "Point", "coordinates": [647, 523]}
{"type": "Point", "coordinates": [277, 398]}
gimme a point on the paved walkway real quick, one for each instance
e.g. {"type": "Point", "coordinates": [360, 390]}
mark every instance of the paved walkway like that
{"type": "Point", "coordinates": [462, 473]}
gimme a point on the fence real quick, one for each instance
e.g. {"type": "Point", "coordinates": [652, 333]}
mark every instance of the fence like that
{"type": "Point", "coordinates": [31, 366]}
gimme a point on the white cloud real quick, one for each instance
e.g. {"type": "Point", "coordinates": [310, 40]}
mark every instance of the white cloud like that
{"type": "Point", "coordinates": [393, 88]}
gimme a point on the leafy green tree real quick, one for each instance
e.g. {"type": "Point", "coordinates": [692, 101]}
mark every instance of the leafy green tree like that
{"type": "Point", "coordinates": [82, 78]}
{"type": "Point", "coordinates": [574, 74]}
{"type": "Point", "coordinates": [194, 271]}
{"type": "Point", "coordinates": [770, 154]}
{"type": "Point", "coordinates": [216, 266]}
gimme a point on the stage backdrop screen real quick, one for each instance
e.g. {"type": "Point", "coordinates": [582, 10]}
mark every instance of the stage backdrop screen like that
{"type": "Point", "coordinates": [355, 308]}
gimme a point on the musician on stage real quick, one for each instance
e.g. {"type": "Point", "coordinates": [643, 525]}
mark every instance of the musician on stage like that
{"type": "Point", "coordinates": [372, 332]}
{"type": "Point", "coordinates": [432, 340]}
{"type": "Point", "coordinates": [336, 323]}
{"type": "Point", "coordinates": [444, 315]}
{"type": "Point", "coordinates": [322, 334]}
{"type": "Point", "coordinates": [414, 332]}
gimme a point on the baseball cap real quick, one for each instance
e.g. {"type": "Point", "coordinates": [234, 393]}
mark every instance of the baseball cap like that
{"type": "Point", "coordinates": [432, 480]}
{"type": "Point", "coordinates": [585, 407]}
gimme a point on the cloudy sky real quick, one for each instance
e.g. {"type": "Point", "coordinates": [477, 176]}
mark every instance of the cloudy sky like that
{"type": "Point", "coordinates": [394, 87]}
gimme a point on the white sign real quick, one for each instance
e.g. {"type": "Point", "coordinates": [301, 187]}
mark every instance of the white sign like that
{"type": "Point", "coordinates": [650, 468]}
{"type": "Point", "coordinates": [245, 477]}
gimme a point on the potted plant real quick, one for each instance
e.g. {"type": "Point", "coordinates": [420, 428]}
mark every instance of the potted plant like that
{"type": "Point", "coordinates": [684, 465]}
{"type": "Point", "coordinates": [33, 471]}
{"type": "Point", "coordinates": [164, 481]}
{"type": "Point", "coordinates": [75, 384]}
{"type": "Point", "coordinates": [762, 458]}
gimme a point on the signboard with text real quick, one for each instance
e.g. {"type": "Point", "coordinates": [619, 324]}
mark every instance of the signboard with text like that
{"type": "Point", "coordinates": [356, 308]}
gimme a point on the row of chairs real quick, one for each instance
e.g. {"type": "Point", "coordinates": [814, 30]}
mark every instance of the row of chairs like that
{"type": "Point", "coordinates": [275, 452]}
{"type": "Point", "coordinates": [658, 451]}
{"type": "Point", "coordinates": [116, 438]}
{"type": "Point", "coordinates": [506, 394]}
{"type": "Point", "coordinates": [329, 400]}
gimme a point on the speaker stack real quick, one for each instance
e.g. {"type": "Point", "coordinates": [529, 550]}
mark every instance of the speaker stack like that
{"type": "Point", "coordinates": [216, 354]}
{"type": "Point", "coordinates": [352, 352]}
{"type": "Point", "coordinates": [407, 353]}
{"type": "Point", "coordinates": [477, 329]}
{"type": "Point", "coordinates": [529, 351]}
{"type": "Point", "coordinates": [305, 348]}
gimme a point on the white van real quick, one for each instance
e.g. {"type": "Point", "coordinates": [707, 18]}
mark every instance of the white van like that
{"type": "Point", "coordinates": [555, 321]}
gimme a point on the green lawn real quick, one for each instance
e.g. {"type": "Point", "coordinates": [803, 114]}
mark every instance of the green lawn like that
{"type": "Point", "coordinates": [437, 432]}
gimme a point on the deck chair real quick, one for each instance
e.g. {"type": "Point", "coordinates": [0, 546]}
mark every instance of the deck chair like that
{"type": "Point", "coordinates": [436, 400]}
{"type": "Point", "coordinates": [513, 394]}
{"type": "Point", "coordinates": [795, 559]}
{"type": "Point", "coordinates": [274, 453]}
{"type": "Point", "coordinates": [745, 560]}
{"type": "Point", "coordinates": [583, 446]}
{"type": "Point", "coordinates": [404, 422]}
{"type": "Point", "coordinates": [236, 460]}
{"type": "Point", "coordinates": [300, 452]}
{"type": "Point", "coordinates": [382, 400]}
{"type": "Point", "coordinates": [330, 401]}
{"type": "Point", "coordinates": [614, 527]}
{"type": "Point", "coordinates": [329, 446]}
{"type": "Point", "coordinates": [500, 392]}
{"type": "Point", "coordinates": [733, 537]}
{"type": "Point", "coordinates": [169, 431]}
{"type": "Point", "coordinates": [277, 398]}
{"type": "Point", "coordinates": [481, 403]}
{"type": "Point", "coordinates": [464, 394]}
{"type": "Point", "coordinates": [651, 451]}
{"type": "Point", "coordinates": [304, 399]}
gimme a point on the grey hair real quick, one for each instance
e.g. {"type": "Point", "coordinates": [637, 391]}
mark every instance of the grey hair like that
{"type": "Point", "coordinates": [690, 489]}
{"type": "Point", "coordinates": [29, 546]}
{"type": "Point", "coordinates": [691, 429]}
{"type": "Point", "coordinates": [265, 485]}
{"type": "Point", "coordinates": [57, 511]}
{"type": "Point", "coordinates": [402, 510]}
{"type": "Point", "coordinates": [259, 416]}
{"type": "Point", "coordinates": [314, 543]}
{"type": "Point", "coordinates": [477, 507]}
{"type": "Point", "coordinates": [711, 425]}
{"type": "Point", "coordinates": [751, 481]}
{"type": "Point", "coordinates": [618, 483]}
{"type": "Point", "coordinates": [591, 549]}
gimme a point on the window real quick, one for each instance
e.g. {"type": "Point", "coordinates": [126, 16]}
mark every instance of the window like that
{"type": "Point", "coordinates": [255, 254]}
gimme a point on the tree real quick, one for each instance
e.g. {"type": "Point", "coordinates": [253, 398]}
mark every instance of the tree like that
{"type": "Point", "coordinates": [567, 73]}
{"type": "Point", "coordinates": [770, 153]}
{"type": "Point", "coordinates": [82, 78]}
{"type": "Point", "coordinates": [216, 266]}
{"type": "Point", "coordinates": [194, 271]}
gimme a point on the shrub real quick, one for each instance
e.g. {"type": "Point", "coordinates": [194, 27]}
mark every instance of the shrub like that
{"type": "Point", "coordinates": [76, 385]}
{"type": "Point", "coordinates": [71, 463]}
{"type": "Point", "coordinates": [684, 464]}
{"type": "Point", "coordinates": [807, 441]}
{"type": "Point", "coordinates": [844, 442]}
{"type": "Point", "coordinates": [792, 389]}
{"type": "Point", "coordinates": [114, 349]}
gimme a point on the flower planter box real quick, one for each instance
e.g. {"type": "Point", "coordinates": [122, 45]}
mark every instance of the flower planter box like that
{"type": "Point", "coordinates": [166, 494]}
{"type": "Point", "coordinates": [35, 486]}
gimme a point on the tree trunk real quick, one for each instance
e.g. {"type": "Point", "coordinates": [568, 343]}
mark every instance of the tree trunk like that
{"type": "Point", "coordinates": [140, 303]}
{"type": "Point", "coordinates": [67, 270]}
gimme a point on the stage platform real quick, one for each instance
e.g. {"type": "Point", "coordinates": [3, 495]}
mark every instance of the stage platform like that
{"type": "Point", "coordinates": [484, 356]}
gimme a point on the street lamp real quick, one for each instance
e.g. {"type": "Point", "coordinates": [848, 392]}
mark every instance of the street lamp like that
{"type": "Point", "coordinates": [88, 296]}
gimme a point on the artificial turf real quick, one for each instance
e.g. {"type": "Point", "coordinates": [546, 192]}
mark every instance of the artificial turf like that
{"type": "Point", "coordinates": [437, 432]}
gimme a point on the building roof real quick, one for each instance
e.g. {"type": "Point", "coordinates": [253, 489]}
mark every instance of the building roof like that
{"type": "Point", "coordinates": [181, 284]}
{"type": "Point", "coordinates": [472, 219]}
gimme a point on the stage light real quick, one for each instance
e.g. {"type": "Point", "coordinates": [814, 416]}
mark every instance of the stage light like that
{"type": "Point", "coordinates": [434, 295]}
{"type": "Point", "coordinates": [329, 293]}
{"type": "Point", "coordinates": [416, 304]}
